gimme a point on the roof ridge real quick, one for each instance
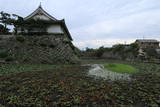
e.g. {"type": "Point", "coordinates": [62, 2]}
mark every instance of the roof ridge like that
{"type": "Point", "coordinates": [43, 11]}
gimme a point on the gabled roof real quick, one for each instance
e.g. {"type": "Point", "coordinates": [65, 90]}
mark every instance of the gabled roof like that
{"type": "Point", "coordinates": [147, 41]}
{"type": "Point", "coordinates": [66, 29]}
{"type": "Point", "coordinates": [40, 10]}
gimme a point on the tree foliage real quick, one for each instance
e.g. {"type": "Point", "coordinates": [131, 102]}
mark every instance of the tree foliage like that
{"type": "Point", "coordinates": [18, 22]}
{"type": "Point", "coordinates": [5, 19]}
{"type": "Point", "coordinates": [3, 29]}
{"type": "Point", "coordinates": [151, 52]}
{"type": "Point", "coordinates": [100, 51]}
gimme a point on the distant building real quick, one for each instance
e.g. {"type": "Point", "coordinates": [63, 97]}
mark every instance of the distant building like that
{"type": "Point", "coordinates": [147, 43]}
{"type": "Point", "coordinates": [48, 24]}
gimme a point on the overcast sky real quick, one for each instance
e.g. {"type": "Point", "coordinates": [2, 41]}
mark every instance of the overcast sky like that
{"type": "Point", "coordinates": [94, 23]}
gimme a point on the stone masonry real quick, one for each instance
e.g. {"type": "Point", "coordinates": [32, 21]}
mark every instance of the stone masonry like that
{"type": "Point", "coordinates": [36, 49]}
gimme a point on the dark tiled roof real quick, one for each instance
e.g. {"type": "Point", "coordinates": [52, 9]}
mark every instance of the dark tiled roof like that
{"type": "Point", "coordinates": [40, 10]}
{"type": "Point", "coordinates": [66, 29]}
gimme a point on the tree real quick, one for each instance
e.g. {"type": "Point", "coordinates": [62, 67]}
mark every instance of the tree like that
{"type": "Point", "coordinates": [17, 22]}
{"type": "Point", "coordinates": [151, 52]}
{"type": "Point", "coordinates": [100, 51]}
{"type": "Point", "coordinates": [119, 48]}
{"type": "Point", "coordinates": [5, 19]}
{"type": "Point", "coordinates": [134, 48]}
{"type": "Point", "coordinates": [3, 30]}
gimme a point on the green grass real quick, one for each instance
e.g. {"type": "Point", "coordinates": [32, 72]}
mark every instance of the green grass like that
{"type": "Point", "coordinates": [121, 68]}
{"type": "Point", "coordinates": [17, 68]}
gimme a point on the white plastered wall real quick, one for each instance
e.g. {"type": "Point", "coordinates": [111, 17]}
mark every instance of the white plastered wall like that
{"type": "Point", "coordinates": [54, 29]}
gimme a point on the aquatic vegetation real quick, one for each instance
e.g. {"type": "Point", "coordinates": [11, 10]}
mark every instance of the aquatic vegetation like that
{"type": "Point", "coordinates": [17, 68]}
{"type": "Point", "coordinates": [71, 86]}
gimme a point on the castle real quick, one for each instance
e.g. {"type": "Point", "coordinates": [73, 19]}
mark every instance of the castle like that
{"type": "Point", "coordinates": [50, 24]}
{"type": "Point", "coordinates": [41, 39]}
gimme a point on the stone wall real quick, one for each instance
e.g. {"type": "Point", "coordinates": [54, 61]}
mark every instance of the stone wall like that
{"type": "Point", "coordinates": [44, 49]}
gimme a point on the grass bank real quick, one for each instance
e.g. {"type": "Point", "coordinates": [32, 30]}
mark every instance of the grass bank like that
{"type": "Point", "coordinates": [120, 68]}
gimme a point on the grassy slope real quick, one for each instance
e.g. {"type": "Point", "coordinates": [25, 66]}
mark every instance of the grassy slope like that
{"type": "Point", "coordinates": [17, 68]}
{"type": "Point", "coordinates": [121, 68]}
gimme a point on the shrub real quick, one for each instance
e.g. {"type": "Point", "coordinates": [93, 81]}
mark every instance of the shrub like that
{"type": "Point", "coordinates": [26, 59]}
{"type": "Point", "coordinates": [20, 38]}
{"type": "Point", "coordinates": [66, 41]}
{"type": "Point", "coordinates": [9, 58]}
{"type": "Point", "coordinates": [151, 52]}
{"type": "Point", "coordinates": [52, 46]}
{"type": "Point", "coordinates": [3, 54]}
{"type": "Point", "coordinates": [43, 44]}
{"type": "Point", "coordinates": [111, 65]}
